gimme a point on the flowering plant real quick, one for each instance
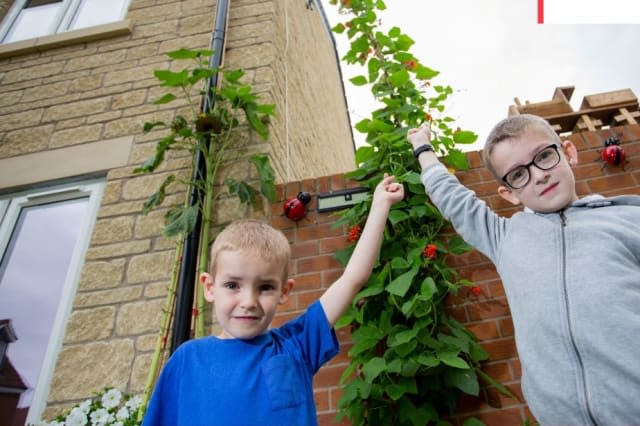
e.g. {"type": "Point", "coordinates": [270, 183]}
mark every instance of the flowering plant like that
{"type": "Point", "coordinates": [108, 408]}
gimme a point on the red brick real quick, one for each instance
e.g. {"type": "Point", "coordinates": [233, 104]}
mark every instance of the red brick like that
{"type": "Point", "coordinates": [500, 371]}
{"type": "Point", "coordinates": [512, 416]}
{"type": "Point", "coordinates": [484, 330]}
{"type": "Point", "coordinates": [304, 249]}
{"type": "Point", "coordinates": [506, 327]}
{"type": "Point", "coordinates": [305, 282]}
{"type": "Point", "coordinates": [321, 397]}
{"type": "Point", "coordinates": [317, 232]}
{"type": "Point", "coordinates": [486, 309]}
{"type": "Point", "coordinates": [333, 244]}
{"type": "Point", "coordinates": [500, 349]}
{"type": "Point", "coordinates": [315, 264]}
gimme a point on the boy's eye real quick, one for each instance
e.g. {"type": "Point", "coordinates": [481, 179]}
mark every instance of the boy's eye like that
{"type": "Point", "coordinates": [517, 174]}
{"type": "Point", "coordinates": [267, 287]}
{"type": "Point", "coordinates": [230, 285]}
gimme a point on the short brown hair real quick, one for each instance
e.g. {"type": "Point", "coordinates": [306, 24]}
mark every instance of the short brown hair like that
{"type": "Point", "coordinates": [252, 235]}
{"type": "Point", "coordinates": [509, 128]}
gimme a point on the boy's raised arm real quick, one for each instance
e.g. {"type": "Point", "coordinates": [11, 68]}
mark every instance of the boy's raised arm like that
{"type": "Point", "coordinates": [338, 297]}
{"type": "Point", "coordinates": [419, 137]}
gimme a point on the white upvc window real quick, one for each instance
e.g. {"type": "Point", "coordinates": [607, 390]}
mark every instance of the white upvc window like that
{"type": "Point", "coordinates": [44, 236]}
{"type": "Point", "coordinates": [36, 18]}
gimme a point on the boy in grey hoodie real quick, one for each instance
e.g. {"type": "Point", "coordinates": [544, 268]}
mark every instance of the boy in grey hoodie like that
{"type": "Point", "coordinates": [570, 268]}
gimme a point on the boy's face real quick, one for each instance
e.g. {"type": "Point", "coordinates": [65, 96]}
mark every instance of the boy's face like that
{"type": "Point", "coordinates": [246, 291]}
{"type": "Point", "coordinates": [547, 190]}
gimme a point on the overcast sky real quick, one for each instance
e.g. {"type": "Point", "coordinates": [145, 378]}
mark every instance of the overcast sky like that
{"type": "Point", "coordinates": [490, 51]}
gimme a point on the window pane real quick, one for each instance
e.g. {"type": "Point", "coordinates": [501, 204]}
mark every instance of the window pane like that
{"type": "Point", "coordinates": [97, 12]}
{"type": "Point", "coordinates": [34, 22]}
{"type": "Point", "coordinates": [32, 277]}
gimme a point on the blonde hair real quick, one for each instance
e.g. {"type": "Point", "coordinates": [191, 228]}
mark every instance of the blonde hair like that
{"type": "Point", "coordinates": [256, 236]}
{"type": "Point", "coordinates": [511, 128]}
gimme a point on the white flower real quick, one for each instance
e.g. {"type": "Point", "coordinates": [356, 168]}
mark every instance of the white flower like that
{"type": "Point", "coordinates": [122, 414]}
{"type": "Point", "coordinates": [111, 398]}
{"type": "Point", "coordinates": [101, 417]}
{"type": "Point", "coordinates": [118, 423]}
{"type": "Point", "coordinates": [76, 417]}
{"type": "Point", "coordinates": [85, 406]}
{"type": "Point", "coordinates": [134, 402]}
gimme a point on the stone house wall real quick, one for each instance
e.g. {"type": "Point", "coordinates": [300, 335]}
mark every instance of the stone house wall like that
{"type": "Point", "coordinates": [76, 103]}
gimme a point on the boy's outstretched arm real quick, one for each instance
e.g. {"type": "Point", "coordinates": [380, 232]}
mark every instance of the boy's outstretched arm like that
{"type": "Point", "coordinates": [418, 137]}
{"type": "Point", "coordinates": [337, 298]}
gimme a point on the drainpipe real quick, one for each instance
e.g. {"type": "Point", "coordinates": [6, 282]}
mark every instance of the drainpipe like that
{"type": "Point", "coordinates": [187, 277]}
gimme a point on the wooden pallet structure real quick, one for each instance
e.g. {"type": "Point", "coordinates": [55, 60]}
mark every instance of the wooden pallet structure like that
{"type": "Point", "coordinates": [597, 111]}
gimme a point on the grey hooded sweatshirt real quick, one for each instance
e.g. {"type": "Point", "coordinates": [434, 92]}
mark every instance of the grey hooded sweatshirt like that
{"type": "Point", "coordinates": [572, 279]}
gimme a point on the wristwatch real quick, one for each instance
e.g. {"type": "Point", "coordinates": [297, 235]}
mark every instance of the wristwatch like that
{"type": "Point", "coordinates": [422, 148]}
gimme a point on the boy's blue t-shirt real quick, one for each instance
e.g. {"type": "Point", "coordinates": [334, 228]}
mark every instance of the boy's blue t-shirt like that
{"type": "Point", "coordinates": [267, 380]}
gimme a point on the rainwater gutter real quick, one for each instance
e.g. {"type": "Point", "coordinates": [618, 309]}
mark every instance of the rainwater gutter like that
{"type": "Point", "coordinates": [189, 265]}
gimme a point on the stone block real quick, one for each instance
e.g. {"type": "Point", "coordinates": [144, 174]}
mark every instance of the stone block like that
{"type": "Point", "coordinates": [107, 297]}
{"type": "Point", "coordinates": [76, 135]}
{"type": "Point", "coordinates": [150, 267]}
{"type": "Point", "coordinates": [90, 324]}
{"type": "Point", "coordinates": [84, 369]}
{"type": "Point", "coordinates": [118, 249]}
{"type": "Point", "coordinates": [102, 275]}
{"type": "Point", "coordinates": [113, 230]}
{"type": "Point", "coordinates": [139, 317]}
{"type": "Point", "coordinates": [24, 141]}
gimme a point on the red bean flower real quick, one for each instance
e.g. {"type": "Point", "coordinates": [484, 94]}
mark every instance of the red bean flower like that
{"type": "Point", "coordinates": [354, 233]}
{"type": "Point", "coordinates": [475, 290]}
{"type": "Point", "coordinates": [430, 251]}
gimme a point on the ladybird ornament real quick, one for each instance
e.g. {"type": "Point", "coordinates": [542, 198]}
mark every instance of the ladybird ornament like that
{"type": "Point", "coordinates": [612, 153]}
{"type": "Point", "coordinates": [294, 208]}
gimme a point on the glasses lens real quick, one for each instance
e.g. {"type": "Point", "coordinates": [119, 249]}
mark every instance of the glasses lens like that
{"type": "Point", "coordinates": [517, 177]}
{"type": "Point", "coordinates": [547, 158]}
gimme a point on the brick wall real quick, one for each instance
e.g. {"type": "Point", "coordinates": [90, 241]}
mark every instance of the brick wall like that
{"type": "Point", "coordinates": [314, 240]}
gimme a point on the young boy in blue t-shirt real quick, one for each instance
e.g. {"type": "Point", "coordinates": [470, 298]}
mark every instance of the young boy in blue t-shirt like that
{"type": "Point", "coordinates": [250, 374]}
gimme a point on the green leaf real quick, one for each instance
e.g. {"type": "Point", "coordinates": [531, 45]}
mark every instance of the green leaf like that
{"type": "Point", "coordinates": [458, 246]}
{"type": "Point", "coordinates": [402, 337]}
{"type": "Point", "coordinates": [465, 380]}
{"type": "Point", "coordinates": [181, 220]}
{"type": "Point", "coordinates": [359, 80]}
{"type": "Point", "coordinates": [400, 285]}
{"type": "Point", "coordinates": [396, 216]}
{"type": "Point", "coordinates": [244, 191]}
{"type": "Point", "coordinates": [165, 99]}
{"type": "Point", "coordinates": [457, 159]}
{"type": "Point", "coordinates": [267, 176]}
{"type": "Point", "coordinates": [189, 54]}
{"type": "Point", "coordinates": [399, 78]}
{"type": "Point", "coordinates": [453, 360]}
{"type": "Point", "coordinates": [472, 421]}
{"type": "Point", "coordinates": [425, 73]}
{"type": "Point", "coordinates": [496, 384]}
{"type": "Point", "coordinates": [372, 368]}
{"type": "Point", "coordinates": [428, 360]}
{"type": "Point", "coordinates": [172, 79]}
{"type": "Point", "coordinates": [464, 136]}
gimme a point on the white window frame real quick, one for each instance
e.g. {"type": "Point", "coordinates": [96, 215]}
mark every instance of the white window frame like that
{"type": "Point", "coordinates": [63, 20]}
{"type": "Point", "coordinates": [10, 207]}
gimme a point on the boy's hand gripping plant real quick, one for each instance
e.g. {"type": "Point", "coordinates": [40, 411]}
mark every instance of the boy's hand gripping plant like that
{"type": "Point", "coordinates": [410, 360]}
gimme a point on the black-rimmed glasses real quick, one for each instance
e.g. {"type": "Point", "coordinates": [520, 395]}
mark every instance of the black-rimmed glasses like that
{"type": "Point", "coordinates": [546, 159]}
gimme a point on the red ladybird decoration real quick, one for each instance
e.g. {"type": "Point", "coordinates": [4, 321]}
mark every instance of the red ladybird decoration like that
{"type": "Point", "coordinates": [294, 208]}
{"type": "Point", "coordinates": [612, 153]}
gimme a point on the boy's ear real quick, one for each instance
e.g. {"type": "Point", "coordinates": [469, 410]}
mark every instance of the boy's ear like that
{"type": "Point", "coordinates": [570, 151]}
{"type": "Point", "coordinates": [285, 291]}
{"type": "Point", "coordinates": [508, 195]}
{"type": "Point", "coordinates": [207, 283]}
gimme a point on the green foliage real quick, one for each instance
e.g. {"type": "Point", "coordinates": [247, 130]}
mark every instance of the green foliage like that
{"type": "Point", "coordinates": [208, 133]}
{"type": "Point", "coordinates": [410, 360]}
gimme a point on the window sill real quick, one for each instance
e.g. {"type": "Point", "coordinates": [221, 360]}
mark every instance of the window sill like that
{"type": "Point", "coordinates": [67, 38]}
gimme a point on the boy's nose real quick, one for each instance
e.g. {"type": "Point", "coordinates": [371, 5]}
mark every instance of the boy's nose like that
{"type": "Point", "coordinates": [249, 299]}
{"type": "Point", "coordinates": [539, 175]}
